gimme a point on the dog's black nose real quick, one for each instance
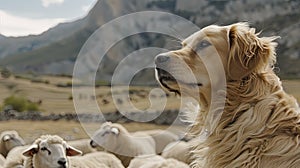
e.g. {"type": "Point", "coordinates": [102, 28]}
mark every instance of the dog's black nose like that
{"type": "Point", "coordinates": [62, 161]}
{"type": "Point", "coordinates": [161, 59]}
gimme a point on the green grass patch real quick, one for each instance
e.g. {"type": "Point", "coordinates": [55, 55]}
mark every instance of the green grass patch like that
{"type": "Point", "coordinates": [20, 104]}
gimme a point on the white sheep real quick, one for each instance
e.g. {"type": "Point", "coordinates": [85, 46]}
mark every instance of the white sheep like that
{"type": "Point", "coordinates": [52, 151]}
{"type": "Point", "coordinates": [49, 151]}
{"type": "Point", "coordinates": [15, 158]}
{"type": "Point", "coordinates": [9, 140]}
{"type": "Point", "coordinates": [83, 145]}
{"type": "Point", "coordinates": [106, 160]}
{"type": "Point", "coordinates": [116, 139]}
{"type": "Point", "coordinates": [179, 150]}
{"type": "Point", "coordinates": [156, 161]}
{"type": "Point", "coordinates": [2, 160]}
{"type": "Point", "coordinates": [161, 137]}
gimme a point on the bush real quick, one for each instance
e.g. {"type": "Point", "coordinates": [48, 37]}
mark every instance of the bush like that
{"type": "Point", "coordinates": [5, 73]}
{"type": "Point", "coordinates": [67, 84]}
{"type": "Point", "coordinates": [11, 86]}
{"type": "Point", "coordinates": [37, 80]}
{"type": "Point", "coordinates": [99, 83]}
{"type": "Point", "coordinates": [27, 77]}
{"type": "Point", "coordinates": [20, 104]}
{"type": "Point", "coordinates": [32, 107]}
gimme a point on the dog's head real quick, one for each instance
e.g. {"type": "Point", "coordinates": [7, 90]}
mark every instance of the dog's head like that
{"type": "Point", "coordinates": [235, 51]}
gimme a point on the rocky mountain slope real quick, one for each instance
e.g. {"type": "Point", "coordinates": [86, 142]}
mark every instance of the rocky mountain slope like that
{"type": "Point", "coordinates": [55, 51]}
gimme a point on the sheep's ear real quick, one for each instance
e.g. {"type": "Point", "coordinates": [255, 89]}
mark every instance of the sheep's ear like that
{"type": "Point", "coordinates": [247, 51]}
{"type": "Point", "coordinates": [115, 131]}
{"type": "Point", "coordinates": [33, 149]}
{"type": "Point", "coordinates": [71, 151]}
{"type": "Point", "coordinates": [6, 138]}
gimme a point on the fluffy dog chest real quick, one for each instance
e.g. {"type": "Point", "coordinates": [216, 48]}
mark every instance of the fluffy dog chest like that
{"type": "Point", "coordinates": [270, 130]}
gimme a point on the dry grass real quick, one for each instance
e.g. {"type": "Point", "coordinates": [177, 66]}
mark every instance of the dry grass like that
{"type": "Point", "coordinates": [292, 87]}
{"type": "Point", "coordinates": [57, 100]}
{"type": "Point", "coordinates": [69, 130]}
{"type": "Point", "coordinates": [53, 99]}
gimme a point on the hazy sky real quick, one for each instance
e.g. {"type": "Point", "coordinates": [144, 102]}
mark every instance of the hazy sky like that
{"type": "Point", "coordinates": [24, 17]}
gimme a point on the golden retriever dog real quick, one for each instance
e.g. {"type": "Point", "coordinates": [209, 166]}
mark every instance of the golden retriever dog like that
{"type": "Point", "coordinates": [259, 124]}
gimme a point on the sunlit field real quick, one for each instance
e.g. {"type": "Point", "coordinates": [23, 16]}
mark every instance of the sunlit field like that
{"type": "Point", "coordinates": [68, 130]}
{"type": "Point", "coordinates": [58, 100]}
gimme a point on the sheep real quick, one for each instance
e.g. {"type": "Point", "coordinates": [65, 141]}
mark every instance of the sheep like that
{"type": "Point", "coordinates": [156, 161]}
{"type": "Point", "coordinates": [9, 140]}
{"type": "Point", "coordinates": [83, 145]}
{"type": "Point", "coordinates": [116, 139]}
{"type": "Point", "coordinates": [15, 158]}
{"type": "Point", "coordinates": [2, 160]}
{"type": "Point", "coordinates": [106, 159]}
{"type": "Point", "coordinates": [161, 137]}
{"type": "Point", "coordinates": [179, 150]}
{"type": "Point", "coordinates": [139, 161]}
{"type": "Point", "coordinates": [49, 151]}
{"type": "Point", "coordinates": [52, 151]}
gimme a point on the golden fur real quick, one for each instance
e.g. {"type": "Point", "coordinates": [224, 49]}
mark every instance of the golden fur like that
{"type": "Point", "coordinates": [259, 125]}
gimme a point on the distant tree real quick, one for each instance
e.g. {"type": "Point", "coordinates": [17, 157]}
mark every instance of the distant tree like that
{"type": "Point", "coordinates": [5, 73]}
{"type": "Point", "coordinates": [32, 107]}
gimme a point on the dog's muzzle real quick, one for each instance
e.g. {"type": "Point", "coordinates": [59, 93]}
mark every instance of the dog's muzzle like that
{"type": "Point", "coordinates": [164, 76]}
{"type": "Point", "coordinates": [161, 62]}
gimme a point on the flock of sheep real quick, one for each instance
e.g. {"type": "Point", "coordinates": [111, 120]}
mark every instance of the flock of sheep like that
{"type": "Point", "coordinates": [112, 146]}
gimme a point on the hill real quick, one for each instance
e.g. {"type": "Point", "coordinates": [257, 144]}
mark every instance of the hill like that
{"type": "Point", "coordinates": [55, 51]}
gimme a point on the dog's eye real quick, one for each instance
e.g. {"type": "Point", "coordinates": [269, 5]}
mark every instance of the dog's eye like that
{"type": "Point", "coordinates": [203, 44]}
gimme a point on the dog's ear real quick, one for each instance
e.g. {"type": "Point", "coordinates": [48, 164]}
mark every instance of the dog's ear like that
{"type": "Point", "coordinates": [248, 53]}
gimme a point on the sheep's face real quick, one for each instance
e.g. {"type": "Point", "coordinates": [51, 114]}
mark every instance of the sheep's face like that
{"type": "Point", "coordinates": [11, 139]}
{"type": "Point", "coordinates": [51, 155]}
{"type": "Point", "coordinates": [106, 137]}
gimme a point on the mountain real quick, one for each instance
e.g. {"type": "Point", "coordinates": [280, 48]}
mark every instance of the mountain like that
{"type": "Point", "coordinates": [2, 37]}
{"type": "Point", "coordinates": [55, 51]}
{"type": "Point", "coordinates": [13, 45]}
{"type": "Point", "coordinates": [95, 18]}
{"type": "Point", "coordinates": [57, 48]}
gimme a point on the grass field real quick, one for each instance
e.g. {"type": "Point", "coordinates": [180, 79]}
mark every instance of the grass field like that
{"type": "Point", "coordinates": [30, 130]}
{"type": "Point", "coordinates": [57, 100]}
{"type": "Point", "coordinates": [292, 87]}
